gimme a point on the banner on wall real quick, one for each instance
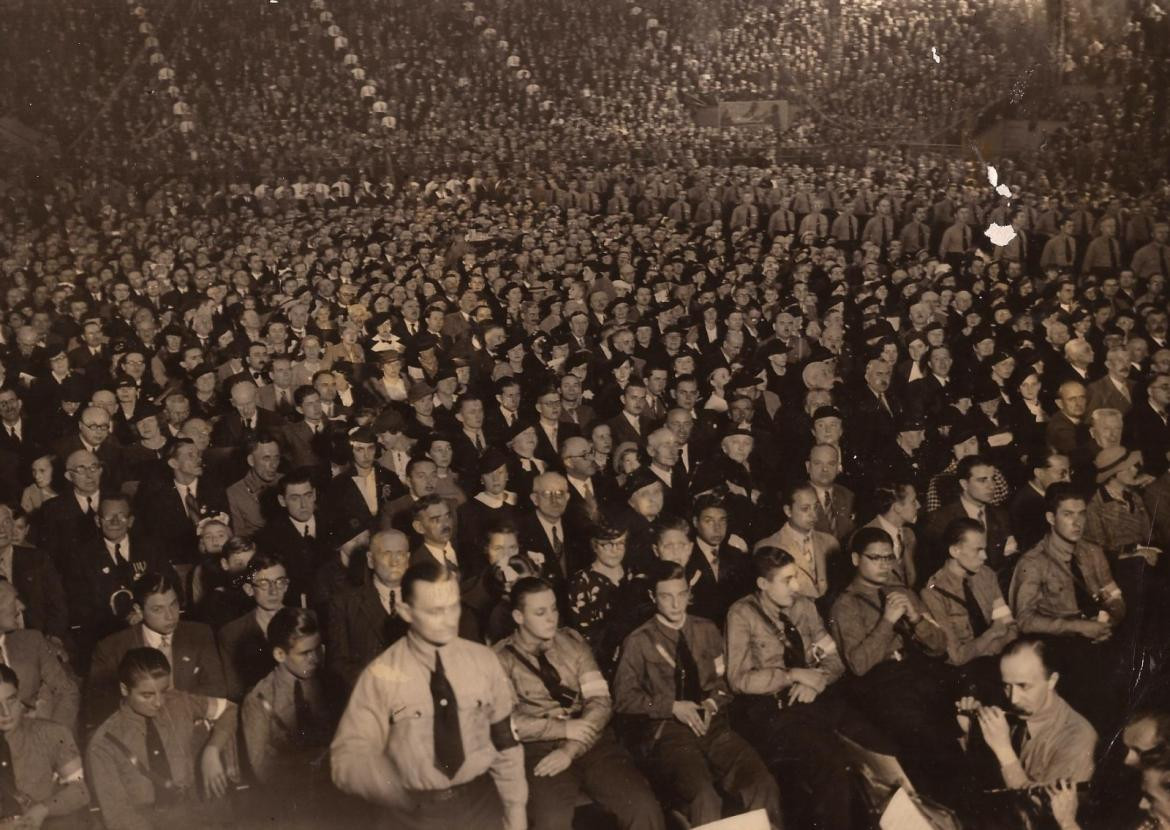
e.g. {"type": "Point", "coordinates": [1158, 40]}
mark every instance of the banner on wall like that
{"type": "Point", "coordinates": [745, 114]}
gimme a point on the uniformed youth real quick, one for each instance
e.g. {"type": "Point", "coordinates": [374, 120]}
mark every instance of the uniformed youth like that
{"type": "Point", "coordinates": [427, 733]}
{"type": "Point", "coordinates": [670, 680]}
{"type": "Point", "coordinates": [143, 758]}
{"type": "Point", "coordinates": [287, 725]}
{"type": "Point", "coordinates": [562, 719]}
{"type": "Point", "coordinates": [964, 598]}
{"type": "Point", "coordinates": [284, 717]}
{"type": "Point", "coordinates": [892, 647]}
{"type": "Point", "coordinates": [40, 767]}
{"type": "Point", "coordinates": [782, 666]}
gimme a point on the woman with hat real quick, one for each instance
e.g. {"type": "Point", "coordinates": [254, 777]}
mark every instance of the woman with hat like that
{"type": "Point", "coordinates": [388, 386]}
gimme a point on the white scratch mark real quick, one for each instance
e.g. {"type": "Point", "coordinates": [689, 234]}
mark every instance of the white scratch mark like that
{"type": "Point", "coordinates": [934, 54]}
{"type": "Point", "coordinates": [1000, 234]}
{"type": "Point", "coordinates": [993, 179]}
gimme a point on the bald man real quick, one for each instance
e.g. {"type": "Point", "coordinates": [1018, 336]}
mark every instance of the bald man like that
{"type": "Point", "coordinates": [363, 620]}
{"type": "Point", "coordinates": [68, 522]}
{"type": "Point", "coordinates": [93, 433]}
{"type": "Point", "coordinates": [544, 531]}
{"type": "Point", "coordinates": [589, 493]}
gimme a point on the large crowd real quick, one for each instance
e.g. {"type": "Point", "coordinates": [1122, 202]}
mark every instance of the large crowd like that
{"type": "Point", "coordinates": [417, 420]}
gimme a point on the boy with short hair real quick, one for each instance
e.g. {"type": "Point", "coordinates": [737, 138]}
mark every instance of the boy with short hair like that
{"type": "Point", "coordinates": [285, 716]}
{"type": "Point", "coordinates": [671, 679]}
{"type": "Point", "coordinates": [142, 757]}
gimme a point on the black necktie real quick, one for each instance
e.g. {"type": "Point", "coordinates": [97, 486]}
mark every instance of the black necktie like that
{"type": "Point", "coordinates": [793, 645]}
{"type": "Point", "coordinates": [1068, 251]}
{"type": "Point", "coordinates": [558, 545]}
{"type": "Point", "coordinates": [1113, 257]}
{"type": "Point", "coordinates": [1162, 261]}
{"type": "Point", "coordinates": [549, 676]}
{"type": "Point", "coordinates": [1085, 601]}
{"type": "Point", "coordinates": [686, 672]}
{"type": "Point", "coordinates": [9, 806]}
{"type": "Point", "coordinates": [448, 739]}
{"type": "Point", "coordinates": [158, 764]}
{"type": "Point", "coordinates": [974, 612]}
{"type": "Point", "coordinates": [89, 509]}
{"type": "Point", "coordinates": [308, 724]}
{"type": "Point", "coordinates": [191, 505]}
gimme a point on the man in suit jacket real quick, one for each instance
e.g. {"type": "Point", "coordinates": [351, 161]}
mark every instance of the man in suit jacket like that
{"type": "Point", "coordinates": [551, 432]}
{"type": "Point", "coordinates": [872, 418]}
{"type": "Point", "coordinates": [171, 507]}
{"type": "Point", "coordinates": [818, 558]}
{"type": "Point", "coordinates": [1115, 390]}
{"type": "Point", "coordinates": [243, 646]}
{"type": "Point", "coordinates": [631, 424]}
{"type": "Point", "coordinates": [278, 396]}
{"type": "Point", "coordinates": [543, 533]}
{"type": "Point", "coordinates": [20, 435]}
{"type": "Point", "coordinates": [363, 620]}
{"type": "Point", "coordinates": [835, 513]}
{"type": "Point", "coordinates": [36, 579]}
{"type": "Point", "coordinates": [245, 421]}
{"type": "Point", "coordinates": [46, 689]}
{"type": "Point", "coordinates": [1147, 425]}
{"type": "Point", "coordinates": [662, 447]}
{"type": "Point", "coordinates": [99, 584]}
{"type": "Point", "coordinates": [975, 479]}
{"type": "Point", "coordinates": [718, 573]}
{"type": "Point", "coordinates": [93, 435]}
{"type": "Point", "coordinates": [297, 533]}
{"type": "Point", "coordinates": [357, 494]}
{"type": "Point", "coordinates": [249, 499]}
{"type": "Point", "coordinates": [68, 521]}
{"type": "Point", "coordinates": [306, 442]}
{"type": "Point", "coordinates": [190, 649]}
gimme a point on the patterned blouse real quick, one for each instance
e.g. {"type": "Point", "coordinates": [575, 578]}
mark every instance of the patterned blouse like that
{"type": "Point", "coordinates": [604, 611]}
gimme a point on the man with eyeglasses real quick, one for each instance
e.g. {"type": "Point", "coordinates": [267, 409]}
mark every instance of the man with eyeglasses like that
{"type": "Point", "coordinates": [551, 432]}
{"type": "Point", "coordinates": [243, 648]}
{"type": "Point", "coordinates": [892, 647]}
{"type": "Point", "coordinates": [94, 435]}
{"type": "Point", "coordinates": [100, 583]}
{"type": "Point", "coordinates": [1147, 425]}
{"type": "Point", "coordinates": [67, 521]}
{"type": "Point", "coordinates": [542, 532]}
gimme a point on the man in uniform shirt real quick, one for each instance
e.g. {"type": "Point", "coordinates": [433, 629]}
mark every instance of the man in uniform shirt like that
{"type": "Point", "coordinates": [964, 598]}
{"type": "Point", "coordinates": [142, 758]}
{"type": "Point", "coordinates": [47, 779]}
{"type": "Point", "coordinates": [428, 721]}
{"type": "Point", "coordinates": [286, 724]}
{"type": "Point", "coordinates": [781, 663]}
{"type": "Point", "coordinates": [1063, 590]}
{"type": "Point", "coordinates": [561, 718]}
{"type": "Point", "coordinates": [670, 680]}
{"type": "Point", "coordinates": [889, 642]}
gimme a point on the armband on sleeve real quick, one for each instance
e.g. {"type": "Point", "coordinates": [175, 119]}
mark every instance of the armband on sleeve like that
{"type": "Point", "coordinates": [504, 734]}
